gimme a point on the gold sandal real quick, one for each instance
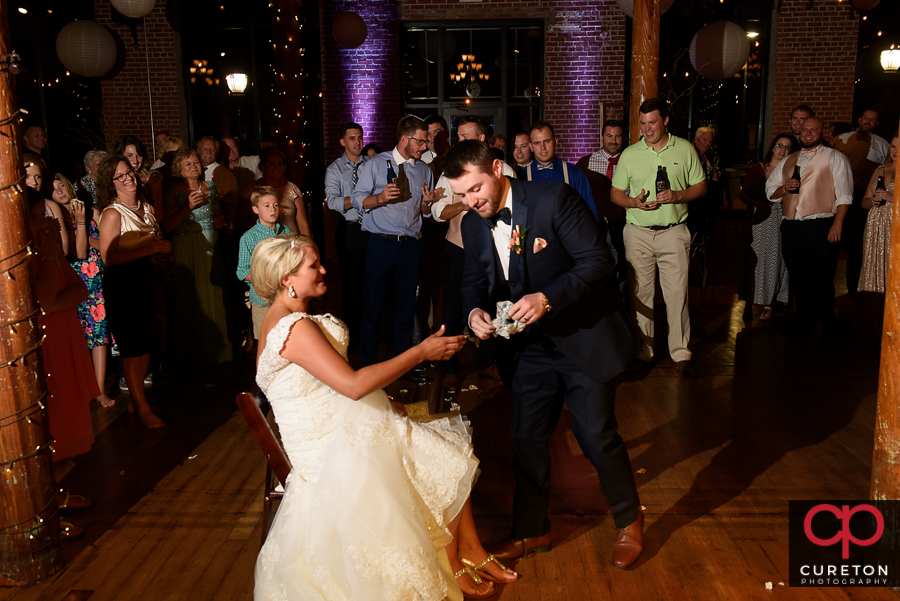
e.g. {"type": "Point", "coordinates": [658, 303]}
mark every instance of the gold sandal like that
{"type": "Point", "coordinates": [69, 531]}
{"type": "Point", "coordinates": [74, 502]}
{"type": "Point", "coordinates": [477, 579]}
{"type": "Point", "coordinates": [484, 574]}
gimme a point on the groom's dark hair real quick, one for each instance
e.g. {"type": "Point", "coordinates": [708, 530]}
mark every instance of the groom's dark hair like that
{"type": "Point", "coordinates": [469, 152]}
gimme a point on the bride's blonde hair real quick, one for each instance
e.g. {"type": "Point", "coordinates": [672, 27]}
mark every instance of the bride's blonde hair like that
{"type": "Point", "coordinates": [274, 258]}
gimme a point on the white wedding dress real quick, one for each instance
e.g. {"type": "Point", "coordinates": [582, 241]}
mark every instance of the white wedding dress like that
{"type": "Point", "coordinates": [366, 506]}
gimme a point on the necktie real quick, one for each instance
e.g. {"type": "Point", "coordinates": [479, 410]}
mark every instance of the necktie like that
{"type": "Point", "coordinates": [502, 215]}
{"type": "Point", "coordinates": [541, 167]}
{"type": "Point", "coordinates": [355, 177]}
{"type": "Point", "coordinates": [610, 168]}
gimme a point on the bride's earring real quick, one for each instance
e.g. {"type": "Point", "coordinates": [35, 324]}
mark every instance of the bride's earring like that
{"type": "Point", "coordinates": [291, 293]}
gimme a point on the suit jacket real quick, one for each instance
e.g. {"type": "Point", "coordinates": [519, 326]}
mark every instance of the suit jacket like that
{"type": "Point", "coordinates": [575, 271]}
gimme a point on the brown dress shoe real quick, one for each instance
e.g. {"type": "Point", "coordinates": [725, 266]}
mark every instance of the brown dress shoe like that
{"type": "Point", "coordinates": [686, 369]}
{"type": "Point", "coordinates": [513, 548]}
{"type": "Point", "coordinates": [629, 542]}
{"type": "Point", "coordinates": [450, 383]}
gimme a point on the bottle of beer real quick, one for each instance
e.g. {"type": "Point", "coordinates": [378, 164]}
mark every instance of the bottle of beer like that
{"type": "Point", "coordinates": [662, 181]}
{"type": "Point", "coordinates": [880, 186]}
{"type": "Point", "coordinates": [796, 176]}
{"type": "Point", "coordinates": [391, 175]}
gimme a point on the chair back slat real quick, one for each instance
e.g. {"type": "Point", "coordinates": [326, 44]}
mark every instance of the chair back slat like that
{"type": "Point", "coordinates": [263, 434]}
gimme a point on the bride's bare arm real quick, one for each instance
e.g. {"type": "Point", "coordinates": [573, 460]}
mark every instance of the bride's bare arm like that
{"type": "Point", "coordinates": [307, 347]}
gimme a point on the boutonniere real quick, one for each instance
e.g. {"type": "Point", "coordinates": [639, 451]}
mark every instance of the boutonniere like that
{"type": "Point", "coordinates": [516, 237]}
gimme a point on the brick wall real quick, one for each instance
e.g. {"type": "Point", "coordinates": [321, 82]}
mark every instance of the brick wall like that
{"type": "Point", "coordinates": [363, 84]}
{"type": "Point", "coordinates": [816, 61]}
{"type": "Point", "coordinates": [126, 102]}
{"type": "Point", "coordinates": [585, 50]}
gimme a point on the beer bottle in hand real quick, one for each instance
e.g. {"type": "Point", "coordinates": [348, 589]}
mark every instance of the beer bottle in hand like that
{"type": "Point", "coordinates": [662, 182]}
{"type": "Point", "coordinates": [880, 186]}
{"type": "Point", "coordinates": [391, 175]}
{"type": "Point", "coordinates": [796, 176]}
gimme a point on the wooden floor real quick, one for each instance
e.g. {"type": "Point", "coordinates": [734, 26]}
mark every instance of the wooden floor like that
{"type": "Point", "coordinates": [773, 416]}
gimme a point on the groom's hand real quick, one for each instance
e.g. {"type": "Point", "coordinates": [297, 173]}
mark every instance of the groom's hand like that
{"type": "Point", "coordinates": [528, 309]}
{"type": "Point", "coordinates": [480, 324]}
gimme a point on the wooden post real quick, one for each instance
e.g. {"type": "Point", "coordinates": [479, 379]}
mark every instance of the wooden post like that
{"type": "Point", "coordinates": [644, 58]}
{"type": "Point", "coordinates": [29, 521]}
{"type": "Point", "coordinates": [886, 457]}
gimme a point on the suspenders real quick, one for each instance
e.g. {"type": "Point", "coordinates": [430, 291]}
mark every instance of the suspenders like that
{"type": "Point", "coordinates": [565, 169]}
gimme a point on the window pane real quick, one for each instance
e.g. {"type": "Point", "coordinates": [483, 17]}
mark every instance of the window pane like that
{"type": "Point", "coordinates": [475, 69]}
{"type": "Point", "coordinates": [526, 52]}
{"type": "Point", "coordinates": [422, 49]}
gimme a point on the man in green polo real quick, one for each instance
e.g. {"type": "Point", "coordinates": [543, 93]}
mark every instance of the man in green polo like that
{"type": "Point", "coordinates": [656, 235]}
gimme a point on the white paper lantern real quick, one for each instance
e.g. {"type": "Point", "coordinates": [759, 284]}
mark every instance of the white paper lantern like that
{"type": "Point", "coordinates": [627, 6]}
{"type": "Point", "coordinates": [86, 48]}
{"type": "Point", "coordinates": [720, 50]}
{"type": "Point", "coordinates": [134, 8]}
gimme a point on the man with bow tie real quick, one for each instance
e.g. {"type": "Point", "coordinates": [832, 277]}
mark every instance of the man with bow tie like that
{"type": "Point", "coordinates": [865, 151]}
{"type": "Point", "coordinates": [536, 244]}
{"type": "Point", "coordinates": [813, 220]}
{"type": "Point", "coordinates": [547, 167]}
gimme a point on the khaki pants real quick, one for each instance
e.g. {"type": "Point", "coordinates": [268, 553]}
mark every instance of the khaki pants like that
{"type": "Point", "coordinates": [258, 312]}
{"type": "Point", "coordinates": [667, 250]}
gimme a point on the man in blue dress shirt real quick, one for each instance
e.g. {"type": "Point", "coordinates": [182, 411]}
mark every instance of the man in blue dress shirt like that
{"type": "Point", "coordinates": [350, 240]}
{"type": "Point", "coordinates": [547, 167]}
{"type": "Point", "coordinates": [394, 225]}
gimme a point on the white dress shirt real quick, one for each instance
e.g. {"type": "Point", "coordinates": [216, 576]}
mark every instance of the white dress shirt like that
{"type": "Point", "coordinates": [501, 234]}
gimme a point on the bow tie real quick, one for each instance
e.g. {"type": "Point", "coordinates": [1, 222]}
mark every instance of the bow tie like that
{"type": "Point", "coordinates": [502, 215]}
{"type": "Point", "coordinates": [808, 151]}
{"type": "Point", "coordinates": [541, 167]}
{"type": "Point", "coordinates": [862, 136]}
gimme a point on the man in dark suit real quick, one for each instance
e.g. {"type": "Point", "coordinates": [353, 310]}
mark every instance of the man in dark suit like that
{"type": "Point", "coordinates": [538, 244]}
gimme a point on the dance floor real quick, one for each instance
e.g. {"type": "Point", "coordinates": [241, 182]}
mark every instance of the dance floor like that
{"type": "Point", "coordinates": [773, 416]}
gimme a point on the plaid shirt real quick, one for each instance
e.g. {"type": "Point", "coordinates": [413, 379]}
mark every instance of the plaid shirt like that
{"type": "Point", "coordinates": [599, 162]}
{"type": "Point", "coordinates": [249, 240]}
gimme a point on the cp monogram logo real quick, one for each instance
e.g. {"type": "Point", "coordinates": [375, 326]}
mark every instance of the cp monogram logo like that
{"type": "Point", "coordinates": [844, 514]}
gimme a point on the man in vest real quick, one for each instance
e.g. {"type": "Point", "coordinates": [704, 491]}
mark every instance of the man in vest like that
{"type": "Point", "coordinates": [865, 150]}
{"type": "Point", "coordinates": [546, 167]}
{"type": "Point", "coordinates": [813, 220]}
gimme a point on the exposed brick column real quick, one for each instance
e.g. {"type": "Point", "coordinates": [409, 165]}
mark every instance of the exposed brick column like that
{"type": "Point", "coordinates": [126, 102]}
{"type": "Point", "coordinates": [363, 84]}
{"type": "Point", "coordinates": [816, 61]}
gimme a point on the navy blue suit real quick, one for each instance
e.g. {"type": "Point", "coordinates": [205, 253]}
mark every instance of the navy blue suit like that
{"type": "Point", "coordinates": [571, 356]}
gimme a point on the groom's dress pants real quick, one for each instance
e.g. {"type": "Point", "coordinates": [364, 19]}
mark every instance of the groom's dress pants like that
{"type": "Point", "coordinates": [544, 380]}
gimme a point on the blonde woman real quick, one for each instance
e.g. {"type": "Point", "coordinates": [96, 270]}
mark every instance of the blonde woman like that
{"type": "Point", "coordinates": [401, 526]}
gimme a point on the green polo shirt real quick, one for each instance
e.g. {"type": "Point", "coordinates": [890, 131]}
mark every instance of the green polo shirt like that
{"type": "Point", "coordinates": [637, 169]}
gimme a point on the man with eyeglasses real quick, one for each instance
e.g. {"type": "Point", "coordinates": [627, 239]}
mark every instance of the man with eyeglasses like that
{"type": "Point", "coordinates": [392, 214]}
{"type": "Point", "coordinates": [865, 150]}
{"type": "Point", "coordinates": [547, 167]}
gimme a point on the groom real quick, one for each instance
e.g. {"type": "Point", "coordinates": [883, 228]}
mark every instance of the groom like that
{"type": "Point", "coordinates": [538, 244]}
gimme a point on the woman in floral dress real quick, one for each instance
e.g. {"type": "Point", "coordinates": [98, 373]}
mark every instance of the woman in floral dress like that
{"type": "Point", "coordinates": [84, 256]}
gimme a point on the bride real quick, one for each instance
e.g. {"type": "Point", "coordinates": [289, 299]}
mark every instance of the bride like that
{"type": "Point", "coordinates": [377, 506]}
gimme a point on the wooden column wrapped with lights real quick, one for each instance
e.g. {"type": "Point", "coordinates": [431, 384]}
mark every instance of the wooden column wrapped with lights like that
{"type": "Point", "coordinates": [886, 457]}
{"type": "Point", "coordinates": [644, 58]}
{"type": "Point", "coordinates": [289, 46]}
{"type": "Point", "coordinates": [29, 521]}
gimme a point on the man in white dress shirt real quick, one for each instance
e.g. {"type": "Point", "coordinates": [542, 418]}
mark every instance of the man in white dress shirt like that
{"type": "Point", "coordinates": [813, 221]}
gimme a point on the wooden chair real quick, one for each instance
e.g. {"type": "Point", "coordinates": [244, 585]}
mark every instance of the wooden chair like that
{"type": "Point", "coordinates": [253, 408]}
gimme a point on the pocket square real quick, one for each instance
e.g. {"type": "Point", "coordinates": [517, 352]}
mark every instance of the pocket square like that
{"type": "Point", "coordinates": [539, 245]}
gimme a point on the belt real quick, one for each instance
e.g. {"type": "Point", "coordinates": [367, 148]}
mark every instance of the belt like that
{"type": "Point", "coordinates": [659, 228]}
{"type": "Point", "coordinates": [395, 237]}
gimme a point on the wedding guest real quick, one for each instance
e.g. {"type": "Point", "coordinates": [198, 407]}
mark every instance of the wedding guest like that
{"type": "Point", "coordinates": [879, 201]}
{"type": "Point", "coordinates": [70, 385]}
{"type": "Point", "coordinates": [265, 205]}
{"type": "Point", "coordinates": [88, 182]}
{"type": "Point", "coordinates": [132, 149]}
{"type": "Point", "coordinates": [370, 150]}
{"type": "Point", "coordinates": [86, 261]}
{"type": "Point", "coordinates": [129, 236]}
{"type": "Point", "coordinates": [198, 330]}
{"type": "Point", "coordinates": [764, 277]}
{"type": "Point", "coordinates": [35, 178]}
{"type": "Point", "coordinates": [273, 163]}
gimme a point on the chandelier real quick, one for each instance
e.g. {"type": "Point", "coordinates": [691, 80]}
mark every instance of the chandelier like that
{"type": "Point", "coordinates": [469, 75]}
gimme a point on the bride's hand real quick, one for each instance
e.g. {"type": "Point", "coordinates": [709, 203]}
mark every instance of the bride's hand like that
{"type": "Point", "coordinates": [438, 347]}
{"type": "Point", "coordinates": [399, 408]}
